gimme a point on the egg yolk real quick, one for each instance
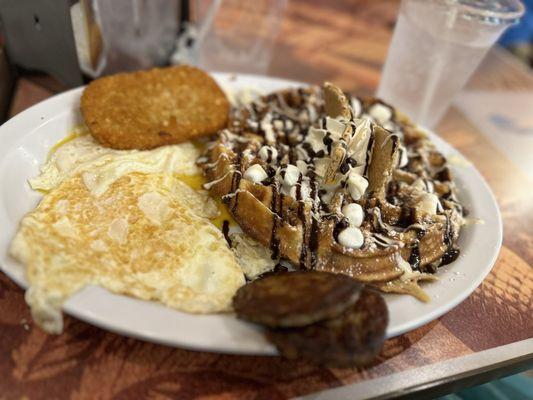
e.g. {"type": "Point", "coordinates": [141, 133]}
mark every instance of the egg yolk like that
{"type": "Point", "coordinates": [195, 182]}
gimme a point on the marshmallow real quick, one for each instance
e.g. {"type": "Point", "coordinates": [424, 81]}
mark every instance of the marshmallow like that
{"type": "Point", "coordinates": [302, 166]}
{"type": "Point", "coordinates": [380, 113]}
{"type": "Point", "coordinates": [419, 184]}
{"type": "Point", "coordinates": [389, 126]}
{"type": "Point", "coordinates": [423, 185]}
{"type": "Point", "coordinates": [427, 203]}
{"type": "Point", "coordinates": [354, 213]}
{"type": "Point", "coordinates": [335, 127]}
{"type": "Point", "coordinates": [312, 112]}
{"type": "Point", "coordinates": [315, 137]}
{"type": "Point", "coordinates": [305, 191]}
{"type": "Point", "coordinates": [255, 173]}
{"type": "Point", "coordinates": [278, 124]}
{"type": "Point", "coordinates": [266, 126]}
{"type": "Point", "coordinates": [403, 159]}
{"type": "Point", "coordinates": [292, 173]}
{"type": "Point", "coordinates": [351, 237]}
{"type": "Point", "coordinates": [268, 153]}
{"type": "Point", "coordinates": [357, 107]}
{"type": "Point", "coordinates": [356, 185]}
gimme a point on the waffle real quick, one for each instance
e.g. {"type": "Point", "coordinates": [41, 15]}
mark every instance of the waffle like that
{"type": "Point", "coordinates": [337, 183]}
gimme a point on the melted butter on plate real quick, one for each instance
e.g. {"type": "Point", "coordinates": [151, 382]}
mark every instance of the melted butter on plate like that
{"type": "Point", "coordinates": [100, 166]}
{"type": "Point", "coordinates": [195, 182]}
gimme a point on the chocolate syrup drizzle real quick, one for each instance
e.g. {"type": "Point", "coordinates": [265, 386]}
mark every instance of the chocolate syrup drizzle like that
{"type": "Point", "coordinates": [452, 252]}
{"type": "Point", "coordinates": [225, 231]}
{"type": "Point", "coordinates": [303, 219]}
{"type": "Point", "coordinates": [291, 133]}
{"type": "Point", "coordinates": [235, 183]}
{"type": "Point", "coordinates": [277, 199]}
{"type": "Point", "coordinates": [369, 150]}
{"type": "Point", "coordinates": [414, 257]}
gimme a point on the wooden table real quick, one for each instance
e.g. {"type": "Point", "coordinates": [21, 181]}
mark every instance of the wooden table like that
{"type": "Point", "coordinates": [488, 335]}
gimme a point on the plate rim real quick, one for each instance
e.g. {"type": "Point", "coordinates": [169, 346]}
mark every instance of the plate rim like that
{"type": "Point", "coordinates": [407, 326]}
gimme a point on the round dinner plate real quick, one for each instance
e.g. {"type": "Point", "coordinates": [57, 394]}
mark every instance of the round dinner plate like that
{"type": "Point", "coordinates": [25, 142]}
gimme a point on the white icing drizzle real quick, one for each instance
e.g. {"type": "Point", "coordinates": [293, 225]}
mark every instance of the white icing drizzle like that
{"type": "Point", "coordinates": [297, 169]}
{"type": "Point", "coordinates": [386, 241]}
{"type": "Point", "coordinates": [209, 185]}
{"type": "Point", "coordinates": [214, 164]}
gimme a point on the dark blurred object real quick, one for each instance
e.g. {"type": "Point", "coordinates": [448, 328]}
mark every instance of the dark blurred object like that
{"type": "Point", "coordinates": [72, 41]}
{"type": "Point", "coordinates": [69, 39]}
{"type": "Point", "coordinates": [7, 84]}
{"type": "Point", "coordinates": [39, 36]}
{"type": "Point", "coordinates": [519, 38]}
{"type": "Point", "coordinates": [125, 35]}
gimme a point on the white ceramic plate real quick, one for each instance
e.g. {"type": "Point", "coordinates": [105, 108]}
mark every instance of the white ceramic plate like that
{"type": "Point", "coordinates": [25, 141]}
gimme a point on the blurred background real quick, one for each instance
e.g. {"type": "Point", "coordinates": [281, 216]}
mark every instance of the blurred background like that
{"type": "Point", "coordinates": [58, 44]}
{"type": "Point", "coordinates": [48, 46]}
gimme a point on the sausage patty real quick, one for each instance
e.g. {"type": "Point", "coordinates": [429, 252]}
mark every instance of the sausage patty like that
{"type": "Point", "coordinates": [295, 299]}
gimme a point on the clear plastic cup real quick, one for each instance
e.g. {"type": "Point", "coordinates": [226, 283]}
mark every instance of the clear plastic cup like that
{"type": "Point", "coordinates": [437, 45]}
{"type": "Point", "coordinates": [238, 35]}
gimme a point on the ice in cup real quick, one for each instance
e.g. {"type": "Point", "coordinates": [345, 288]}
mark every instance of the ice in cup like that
{"type": "Point", "coordinates": [437, 45]}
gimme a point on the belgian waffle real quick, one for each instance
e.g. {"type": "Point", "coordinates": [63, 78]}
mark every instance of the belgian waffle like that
{"type": "Point", "coordinates": [337, 183]}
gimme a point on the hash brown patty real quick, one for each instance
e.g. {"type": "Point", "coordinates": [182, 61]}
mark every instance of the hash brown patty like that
{"type": "Point", "coordinates": [147, 109]}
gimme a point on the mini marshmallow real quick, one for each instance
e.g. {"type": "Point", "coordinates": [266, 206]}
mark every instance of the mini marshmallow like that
{"type": "Point", "coordinates": [357, 185]}
{"type": "Point", "coordinates": [302, 166]}
{"type": "Point", "coordinates": [427, 203]}
{"type": "Point", "coordinates": [389, 125]}
{"type": "Point", "coordinates": [357, 107]}
{"type": "Point", "coordinates": [247, 154]}
{"type": "Point", "coordinates": [255, 173]}
{"type": "Point", "coordinates": [312, 112]}
{"type": "Point", "coordinates": [403, 159]}
{"type": "Point", "coordinates": [351, 237]}
{"type": "Point", "coordinates": [278, 124]}
{"type": "Point", "coordinates": [305, 191]}
{"type": "Point", "coordinates": [335, 127]}
{"type": "Point", "coordinates": [265, 151]}
{"type": "Point", "coordinates": [289, 124]}
{"type": "Point", "coordinates": [380, 113]}
{"type": "Point", "coordinates": [292, 173]}
{"type": "Point", "coordinates": [354, 213]}
{"type": "Point", "coordinates": [315, 137]}
{"type": "Point", "coordinates": [253, 124]}
{"type": "Point", "coordinates": [266, 126]}
{"type": "Point", "coordinates": [419, 184]}
{"type": "Point", "coordinates": [423, 185]}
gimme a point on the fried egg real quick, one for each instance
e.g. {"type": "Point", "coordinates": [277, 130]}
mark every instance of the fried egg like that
{"type": "Point", "coordinates": [143, 236]}
{"type": "Point", "coordinates": [124, 220]}
{"type": "Point", "coordinates": [101, 166]}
